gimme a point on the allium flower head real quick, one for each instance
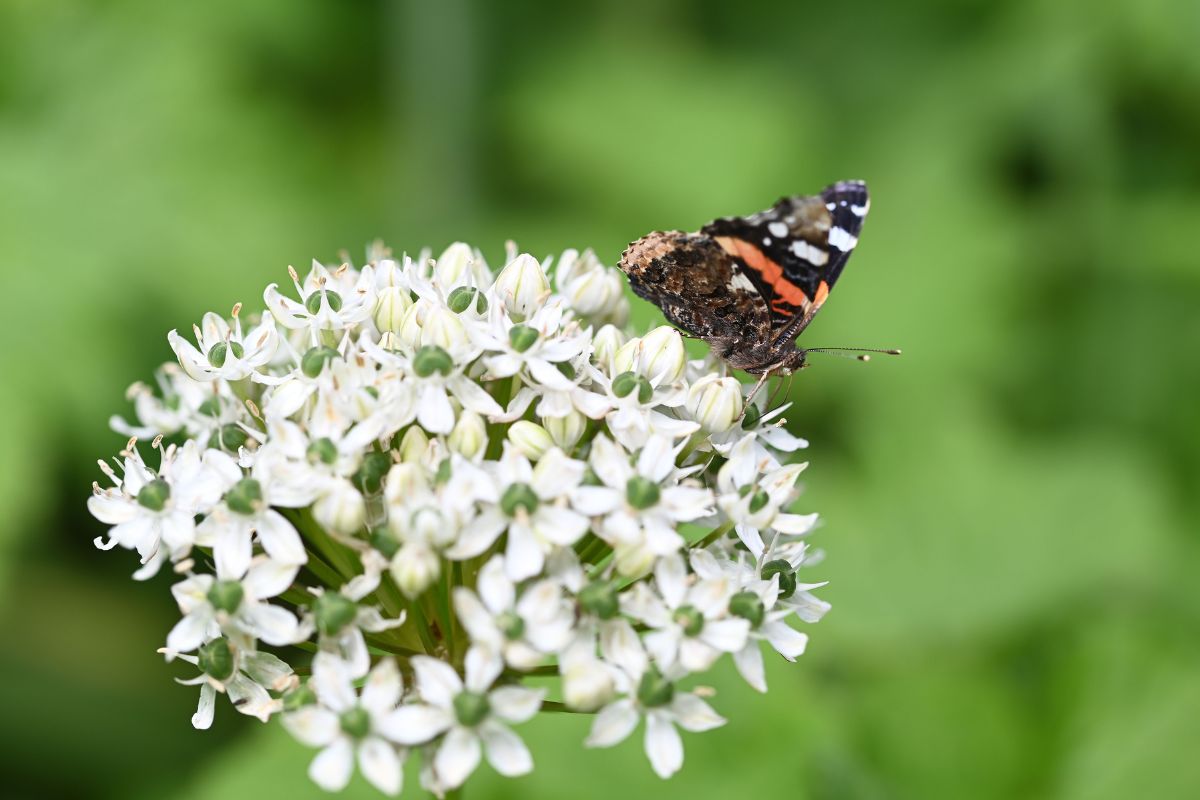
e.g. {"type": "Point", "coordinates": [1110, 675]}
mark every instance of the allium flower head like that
{"type": "Point", "coordinates": [423, 467]}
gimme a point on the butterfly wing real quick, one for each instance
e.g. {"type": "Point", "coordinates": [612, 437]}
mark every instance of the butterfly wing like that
{"type": "Point", "coordinates": [700, 288]}
{"type": "Point", "coordinates": [795, 250]}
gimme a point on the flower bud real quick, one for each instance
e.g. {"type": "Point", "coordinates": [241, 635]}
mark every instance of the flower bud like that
{"type": "Point", "coordinates": [342, 509]}
{"type": "Point", "coordinates": [605, 345]}
{"type": "Point", "coordinates": [471, 708]}
{"type": "Point", "coordinates": [530, 439]}
{"type": "Point", "coordinates": [414, 445]}
{"type": "Point", "coordinates": [392, 304]}
{"type": "Point", "coordinates": [442, 328]}
{"type": "Point", "coordinates": [521, 286]}
{"type": "Point", "coordinates": [748, 606]}
{"type": "Point", "coordinates": [453, 264]}
{"type": "Point", "coordinates": [661, 355]}
{"type": "Point", "coordinates": [216, 659]}
{"type": "Point", "coordinates": [566, 431]}
{"type": "Point", "coordinates": [226, 596]}
{"type": "Point", "coordinates": [633, 560]}
{"type": "Point", "coordinates": [409, 331]}
{"type": "Point", "coordinates": [415, 568]}
{"type": "Point", "coordinates": [245, 497]}
{"type": "Point", "coordinates": [715, 402]}
{"type": "Point", "coordinates": [469, 437]}
{"type": "Point", "coordinates": [587, 685]}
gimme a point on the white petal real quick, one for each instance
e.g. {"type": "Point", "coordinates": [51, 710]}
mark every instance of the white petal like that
{"type": "Point", "coordinates": [556, 474]}
{"type": "Point", "coordinates": [280, 539]}
{"type": "Point", "coordinates": [379, 764]}
{"type": "Point", "coordinates": [596, 500]}
{"type": "Point", "coordinates": [619, 644]}
{"type": "Point", "coordinates": [474, 397]}
{"type": "Point", "coordinates": [475, 618]}
{"type": "Point", "coordinates": [693, 714]}
{"type": "Point", "coordinates": [697, 656]}
{"type": "Point", "coordinates": [189, 632]}
{"type": "Point", "coordinates": [505, 750]}
{"type": "Point", "coordinates": [274, 625]}
{"type": "Point", "coordinates": [795, 524]}
{"type": "Point", "coordinates": [516, 703]}
{"type": "Point", "coordinates": [383, 688]}
{"type": "Point", "coordinates": [251, 699]}
{"type": "Point", "coordinates": [269, 578]}
{"type": "Point", "coordinates": [496, 591]}
{"type": "Point", "coordinates": [613, 724]}
{"type": "Point", "coordinates": [231, 551]}
{"type": "Point", "coordinates": [312, 725]}
{"type": "Point", "coordinates": [437, 682]}
{"type": "Point", "coordinates": [457, 758]}
{"type": "Point", "coordinates": [786, 640]}
{"type": "Point", "coordinates": [728, 635]}
{"type": "Point", "coordinates": [524, 557]}
{"type": "Point", "coordinates": [671, 577]}
{"type": "Point", "coordinates": [483, 666]}
{"type": "Point", "coordinates": [331, 680]}
{"type": "Point", "coordinates": [415, 723]}
{"type": "Point", "coordinates": [202, 719]}
{"type": "Point", "coordinates": [749, 662]}
{"type": "Point", "coordinates": [663, 745]}
{"type": "Point", "coordinates": [559, 525]}
{"type": "Point", "coordinates": [332, 767]}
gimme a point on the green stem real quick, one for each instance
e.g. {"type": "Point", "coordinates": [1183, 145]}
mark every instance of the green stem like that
{"type": "Point", "coordinates": [422, 625]}
{"type": "Point", "coordinates": [552, 707]}
{"type": "Point", "coordinates": [715, 534]}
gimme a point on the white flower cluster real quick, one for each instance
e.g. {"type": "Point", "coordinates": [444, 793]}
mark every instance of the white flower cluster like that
{"type": "Point", "coordinates": [409, 486]}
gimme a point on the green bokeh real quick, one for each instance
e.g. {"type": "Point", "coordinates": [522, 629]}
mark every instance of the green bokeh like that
{"type": "Point", "coordinates": [1010, 510]}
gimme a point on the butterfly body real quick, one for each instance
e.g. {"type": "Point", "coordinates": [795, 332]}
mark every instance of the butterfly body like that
{"type": "Point", "coordinates": [750, 285]}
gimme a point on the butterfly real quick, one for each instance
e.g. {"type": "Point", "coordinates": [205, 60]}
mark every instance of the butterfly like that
{"type": "Point", "coordinates": [749, 286]}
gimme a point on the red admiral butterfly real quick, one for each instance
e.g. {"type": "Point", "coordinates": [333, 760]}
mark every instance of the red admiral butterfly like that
{"type": "Point", "coordinates": [750, 285]}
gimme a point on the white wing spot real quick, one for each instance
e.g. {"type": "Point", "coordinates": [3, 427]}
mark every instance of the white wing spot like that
{"type": "Point", "coordinates": [740, 282]}
{"type": "Point", "coordinates": [809, 252]}
{"type": "Point", "coordinates": [766, 241]}
{"type": "Point", "coordinates": [861, 211]}
{"type": "Point", "coordinates": [778, 229]}
{"type": "Point", "coordinates": [841, 239]}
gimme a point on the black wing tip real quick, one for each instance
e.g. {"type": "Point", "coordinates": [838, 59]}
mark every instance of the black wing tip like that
{"type": "Point", "coordinates": [846, 187]}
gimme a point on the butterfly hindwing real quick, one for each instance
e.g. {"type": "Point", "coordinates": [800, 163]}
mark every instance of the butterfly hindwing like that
{"type": "Point", "coordinates": [795, 250]}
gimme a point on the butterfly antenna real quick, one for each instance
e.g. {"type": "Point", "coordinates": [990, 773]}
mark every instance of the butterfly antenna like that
{"type": "Point", "coordinates": [864, 353]}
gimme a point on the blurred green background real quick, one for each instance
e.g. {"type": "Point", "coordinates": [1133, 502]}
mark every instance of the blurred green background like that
{"type": "Point", "coordinates": [1011, 509]}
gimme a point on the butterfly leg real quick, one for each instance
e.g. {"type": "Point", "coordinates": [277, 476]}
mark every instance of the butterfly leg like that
{"type": "Point", "coordinates": [762, 379]}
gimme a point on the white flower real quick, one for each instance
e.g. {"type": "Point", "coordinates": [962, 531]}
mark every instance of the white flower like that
{"type": "Point", "coordinates": [640, 505]}
{"type": "Point", "coordinates": [533, 507]}
{"type": "Point", "coordinates": [468, 716]}
{"type": "Point", "coordinates": [348, 726]}
{"type": "Point", "coordinates": [689, 617]}
{"type": "Point", "coordinates": [655, 697]}
{"type": "Point", "coordinates": [224, 352]}
{"type": "Point", "coordinates": [755, 503]}
{"type": "Point", "coordinates": [329, 301]}
{"type": "Point", "coordinates": [592, 290]}
{"type": "Point", "coordinates": [523, 629]}
{"type": "Point", "coordinates": [236, 603]}
{"type": "Point", "coordinates": [248, 677]}
{"type": "Point", "coordinates": [154, 512]}
{"type": "Point", "coordinates": [659, 355]}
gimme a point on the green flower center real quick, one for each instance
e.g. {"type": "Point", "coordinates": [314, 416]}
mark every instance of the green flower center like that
{"type": "Point", "coordinates": [430, 359]}
{"type": "Point", "coordinates": [220, 351]}
{"type": "Point", "coordinates": [522, 337]}
{"type": "Point", "coordinates": [787, 576]}
{"type": "Point", "coordinates": [471, 708]}
{"type": "Point", "coordinates": [511, 624]}
{"type": "Point", "coordinates": [216, 659]}
{"type": "Point", "coordinates": [334, 611]}
{"type": "Point", "coordinates": [322, 451]}
{"type": "Point", "coordinates": [313, 302]}
{"type": "Point", "coordinates": [600, 598]}
{"type": "Point", "coordinates": [226, 596]}
{"type": "Point", "coordinates": [228, 437]}
{"type": "Point", "coordinates": [748, 606]}
{"type": "Point", "coordinates": [245, 497]}
{"type": "Point", "coordinates": [154, 495]}
{"type": "Point", "coordinates": [356, 722]}
{"type": "Point", "coordinates": [688, 618]}
{"type": "Point", "coordinates": [460, 300]}
{"type": "Point", "coordinates": [314, 361]}
{"type": "Point", "coordinates": [655, 690]}
{"type": "Point", "coordinates": [518, 496]}
{"type": "Point", "coordinates": [624, 384]}
{"type": "Point", "coordinates": [642, 493]}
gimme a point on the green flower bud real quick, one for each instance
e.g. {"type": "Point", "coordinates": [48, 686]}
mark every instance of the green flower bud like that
{"type": "Point", "coordinates": [654, 690]}
{"type": "Point", "coordinates": [245, 497]}
{"type": "Point", "coordinates": [383, 541]}
{"type": "Point", "coordinates": [220, 351]}
{"type": "Point", "coordinates": [216, 659]}
{"type": "Point", "coordinates": [334, 611]}
{"type": "Point", "coordinates": [471, 708]}
{"type": "Point", "coordinates": [356, 722]}
{"type": "Point", "coordinates": [430, 359]}
{"type": "Point", "coordinates": [322, 451]}
{"type": "Point", "coordinates": [787, 576]}
{"type": "Point", "coordinates": [462, 297]}
{"type": "Point", "coordinates": [519, 495]}
{"type": "Point", "coordinates": [511, 624]}
{"type": "Point", "coordinates": [759, 501]}
{"type": "Point", "coordinates": [298, 698]}
{"type": "Point", "coordinates": [313, 302]}
{"type": "Point", "coordinates": [750, 417]}
{"type": "Point", "coordinates": [642, 493]}
{"type": "Point", "coordinates": [600, 598]}
{"type": "Point", "coordinates": [226, 595]}
{"type": "Point", "coordinates": [748, 606]}
{"type": "Point", "coordinates": [154, 495]}
{"type": "Point", "coordinates": [228, 437]}
{"type": "Point", "coordinates": [522, 337]}
{"type": "Point", "coordinates": [314, 361]}
{"type": "Point", "coordinates": [371, 472]}
{"type": "Point", "coordinates": [625, 383]}
{"type": "Point", "coordinates": [690, 619]}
